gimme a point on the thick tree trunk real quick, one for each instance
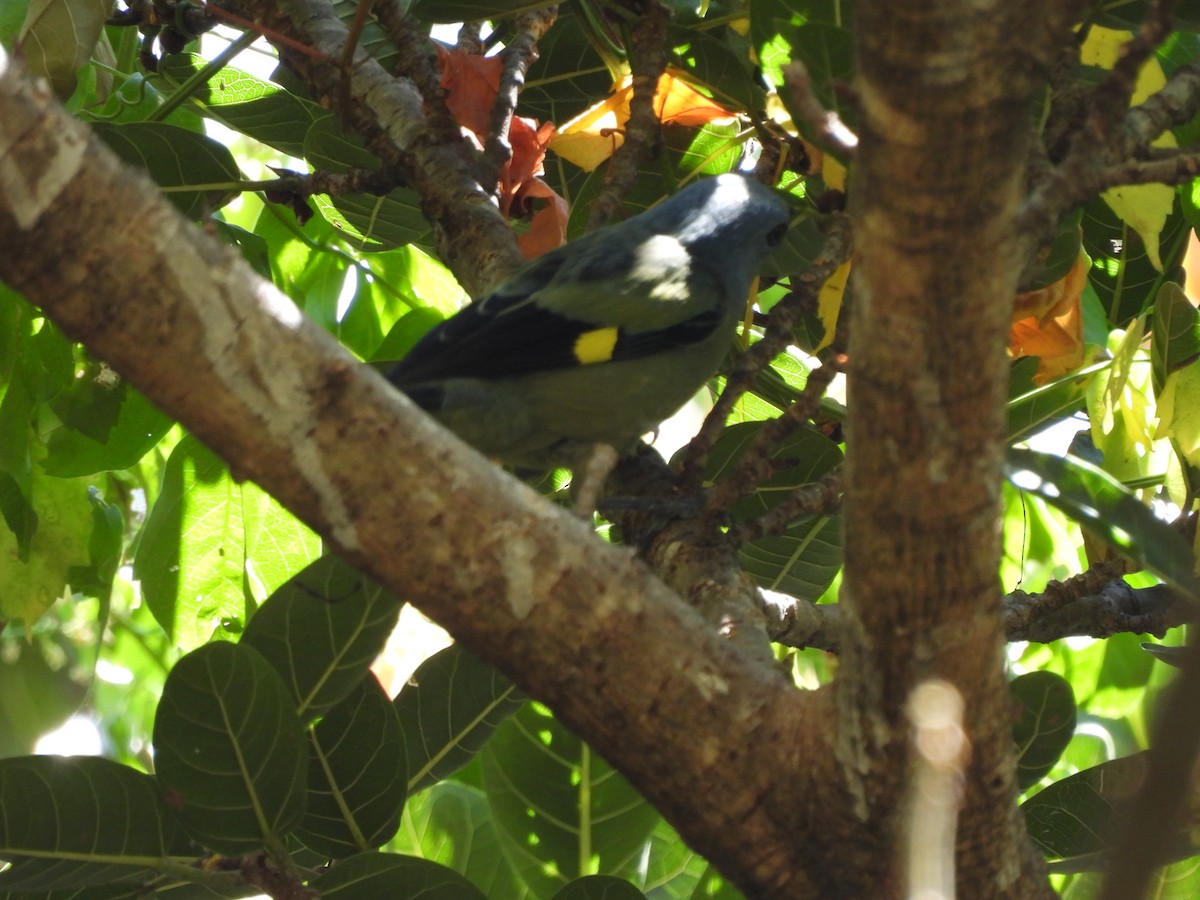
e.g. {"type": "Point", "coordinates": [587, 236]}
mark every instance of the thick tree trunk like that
{"type": "Point", "coordinates": [944, 126]}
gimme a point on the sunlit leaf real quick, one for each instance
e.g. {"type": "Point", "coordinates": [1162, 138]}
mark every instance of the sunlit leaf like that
{"type": "Point", "coordinates": [1096, 500]}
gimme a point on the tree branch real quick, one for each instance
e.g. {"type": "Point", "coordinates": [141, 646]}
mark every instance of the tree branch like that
{"type": "Point", "coordinates": [777, 335]}
{"type": "Point", "coordinates": [535, 592]}
{"type": "Point", "coordinates": [519, 54]}
{"type": "Point", "coordinates": [647, 61]}
{"type": "Point", "coordinates": [472, 237]}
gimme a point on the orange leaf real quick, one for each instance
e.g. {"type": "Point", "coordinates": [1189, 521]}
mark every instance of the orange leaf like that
{"type": "Point", "coordinates": [471, 82]}
{"type": "Point", "coordinates": [1048, 323]}
{"type": "Point", "coordinates": [548, 226]}
{"type": "Point", "coordinates": [595, 134]}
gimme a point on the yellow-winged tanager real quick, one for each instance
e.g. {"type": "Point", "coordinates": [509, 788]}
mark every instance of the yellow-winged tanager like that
{"type": "Point", "coordinates": [601, 339]}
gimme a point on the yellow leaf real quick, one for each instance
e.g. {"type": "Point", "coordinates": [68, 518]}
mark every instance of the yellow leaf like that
{"type": "Point", "coordinates": [1143, 207]}
{"type": "Point", "coordinates": [1121, 409]}
{"type": "Point", "coordinates": [595, 134]}
{"type": "Point", "coordinates": [1179, 412]}
{"type": "Point", "coordinates": [829, 302]}
{"type": "Point", "coordinates": [1103, 46]}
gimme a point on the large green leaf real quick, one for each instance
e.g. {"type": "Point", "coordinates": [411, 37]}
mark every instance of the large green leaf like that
{"type": "Point", "coordinates": [30, 582]}
{"type": "Point", "coordinates": [1044, 725]}
{"type": "Point", "coordinates": [804, 559]}
{"type": "Point", "coordinates": [451, 824]}
{"type": "Point", "coordinates": [128, 432]}
{"type": "Point", "coordinates": [370, 876]}
{"type": "Point", "coordinates": [212, 546]}
{"type": "Point", "coordinates": [1122, 274]}
{"type": "Point", "coordinates": [1034, 407]}
{"type": "Point", "coordinates": [357, 776]}
{"type": "Point", "coordinates": [229, 749]}
{"type": "Point", "coordinates": [261, 109]}
{"type": "Point", "coordinates": [58, 37]}
{"type": "Point", "coordinates": [176, 158]}
{"type": "Point", "coordinates": [1176, 335]}
{"type": "Point", "coordinates": [1071, 820]}
{"type": "Point", "coordinates": [322, 630]}
{"type": "Point", "coordinates": [1093, 498]}
{"type": "Point", "coordinates": [76, 821]}
{"type": "Point", "coordinates": [559, 807]}
{"type": "Point", "coordinates": [448, 709]}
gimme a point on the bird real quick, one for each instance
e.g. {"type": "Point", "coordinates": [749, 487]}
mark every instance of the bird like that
{"type": "Point", "coordinates": [600, 340]}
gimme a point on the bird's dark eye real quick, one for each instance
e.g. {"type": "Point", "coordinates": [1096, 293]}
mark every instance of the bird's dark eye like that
{"type": "Point", "coordinates": [775, 235]}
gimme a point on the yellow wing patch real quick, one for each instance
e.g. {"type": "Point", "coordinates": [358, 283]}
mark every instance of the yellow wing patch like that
{"type": "Point", "coordinates": [595, 346]}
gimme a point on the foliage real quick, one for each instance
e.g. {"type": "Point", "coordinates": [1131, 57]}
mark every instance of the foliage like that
{"type": "Point", "coordinates": [130, 543]}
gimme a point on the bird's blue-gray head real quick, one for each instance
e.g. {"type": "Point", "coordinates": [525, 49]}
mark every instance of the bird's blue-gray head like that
{"type": "Point", "coordinates": [728, 224]}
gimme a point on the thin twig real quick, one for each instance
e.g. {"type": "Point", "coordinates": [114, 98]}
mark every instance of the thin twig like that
{"type": "Point", "coordinates": [518, 56]}
{"type": "Point", "coordinates": [647, 62]}
{"type": "Point", "coordinates": [778, 333]}
{"type": "Point", "coordinates": [829, 132]}
{"type": "Point", "coordinates": [1177, 102]}
{"type": "Point", "coordinates": [811, 500]}
{"type": "Point", "coordinates": [1110, 100]}
{"type": "Point", "coordinates": [417, 61]}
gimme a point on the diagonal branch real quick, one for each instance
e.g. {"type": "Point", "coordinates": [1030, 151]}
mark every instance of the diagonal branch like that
{"type": "Point", "coordinates": [523, 584]}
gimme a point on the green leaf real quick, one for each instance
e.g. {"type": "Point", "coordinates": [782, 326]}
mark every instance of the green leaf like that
{"type": "Point", "coordinates": [805, 558]}
{"type": "Point", "coordinates": [448, 709]}
{"type": "Point", "coordinates": [568, 76]}
{"type": "Point", "coordinates": [37, 693]}
{"type": "Point", "coordinates": [1045, 723]}
{"type": "Point", "coordinates": [322, 630]}
{"type": "Point", "coordinates": [370, 876]}
{"type": "Point", "coordinates": [58, 37]}
{"type": "Point", "coordinates": [30, 584]}
{"type": "Point", "coordinates": [451, 824]}
{"type": "Point", "coordinates": [1034, 407]}
{"type": "Point", "coordinates": [176, 158]}
{"type": "Point", "coordinates": [815, 33]}
{"type": "Point", "coordinates": [1071, 820]}
{"type": "Point", "coordinates": [257, 108]}
{"type": "Point", "coordinates": [211, 545]}
{"type": "Point", "coordinates": [135, 426]}
{"type": "Point", "coordinates": [357, 775]}
{"type": "Point", "coordinates": [720, 63]}
{"type": "Point", "coordinates": [599, 887]}
{"type": "Point", "coordinates": [1176, 334]}
{"type": "Point", "coordinates": [1122, 274]}
{"type": "Point", "coordinates": [1052, 263]}
{"type": "Point", "coordinates": [78, 821]}
{"type": "Point", "coordinates": [229, 749]}
{"type": "Point", "coordinates": [558, 806]}
{"type": "Point", "coordinates": [1093, 498]}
